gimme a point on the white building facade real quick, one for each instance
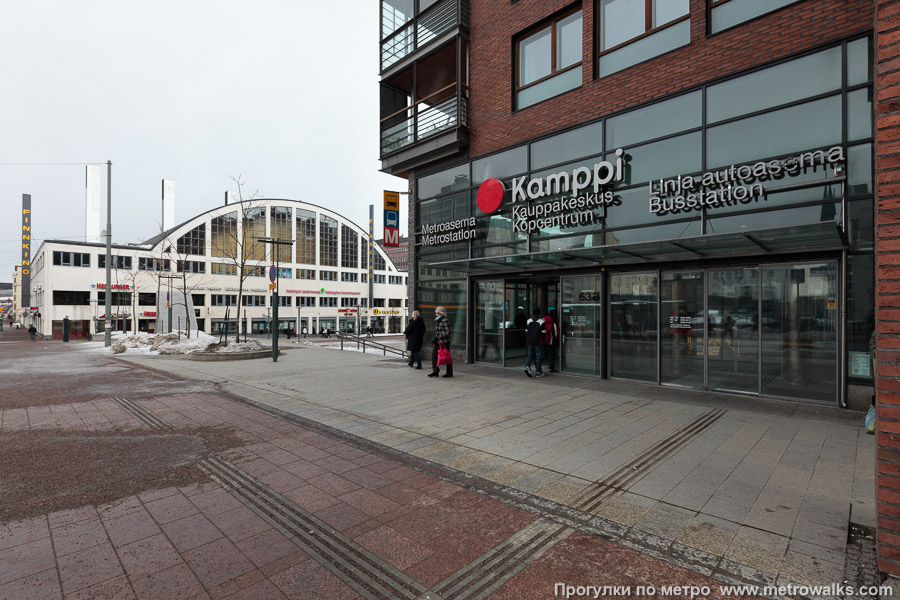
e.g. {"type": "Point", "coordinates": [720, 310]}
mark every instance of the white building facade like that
{"type": "Point", "coordinates": [220, 264]}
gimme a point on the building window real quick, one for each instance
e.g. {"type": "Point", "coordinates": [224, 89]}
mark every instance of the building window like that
{"type": "Point", "coordinates": [306, 237]}
{"type": "Point", "coordinates": [378, 263]}
{"type": "Point", "coordinates": [364, 245]}
{"type": "Point", "coordinates": [197, 299]}
{"type": "Point", "coordinates": [349, 248]}
{"type": "Point", "coordinates": [284, 301]}
{"type": "Point", "coordinates": [147, 299]}
{"type": "Point", "coordinates": [306, 301]}
{"type": "Point", "coordinates": [223, 269]}
{"type": "Point", "coordinates": [352, 277]}
{"type": "Point", "coordinates": [154, 264]}
{"type": "Point", "coordinates": [67, 298]}
{"type": "Point", "coordinates": [328, 302]}
{"type": "Point", "coordinates": [254, 228]}
{"type": "Point", "coordinates": [193, 242]}
{"type": "Point", "coordinates": [378, 303]}
{"type": "Point", "coordinates": [328, 275]}
{"type": "Point", "coordinates": [632, 31]}
{"type": "Point", "coordinates": [254, 271]}
{"type": "Point", "coordinates": [549, 60]}
{"type": "Point", "coordinates": [281, 230]}
{"type": "Point", "coordinates": [364, 278]}
{"type": "Point", "coordinates": [223, 299]}
{"type": "Point", "coordinates": [284, 273]}
{"type": "Point", "coordinates": [395, 280]}
{"type": "Point", "coordinates": [224, 235]}
{"type": "Point", "coordinates": [117, 299]}
{"type": "Point", "coordinates": [345, 302]}
{"type": "Point", "coordinates": [191, 266]}
{"type": "Point", "coordinates": [377, 278]}
{"type": "Point", "coordinates": [118, 262]}
{"type": "Point", "coordinates": [728, 13]}
{"type": "Point", "coordinates": [328, 241]}
{"type": "Point", "coordinates": [71, 259]}
{"type": "Point", "coordinates": [253, 300]}
{"type": "Point", "coordinates": [306, 273]}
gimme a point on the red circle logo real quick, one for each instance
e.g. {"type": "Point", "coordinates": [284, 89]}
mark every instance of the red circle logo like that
{"type": "Point", "coordinates": [490, 195]}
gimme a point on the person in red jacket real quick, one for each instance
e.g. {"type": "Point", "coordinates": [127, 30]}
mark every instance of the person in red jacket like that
{"type": "Point", "coordinates": [551, 339]}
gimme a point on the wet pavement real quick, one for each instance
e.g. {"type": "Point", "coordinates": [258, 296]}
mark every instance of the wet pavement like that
{"type": "Point", "coordinates": [342, 475]}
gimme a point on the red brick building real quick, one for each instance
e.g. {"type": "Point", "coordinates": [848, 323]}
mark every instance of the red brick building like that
{"type": "Point", "coordinates": [704, 191]}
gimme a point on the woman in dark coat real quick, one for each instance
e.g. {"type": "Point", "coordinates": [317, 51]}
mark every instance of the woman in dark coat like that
{"type": "Point", "coordinates": [415, 334]}
{"type": "Point", "coordinates": [441, 336]}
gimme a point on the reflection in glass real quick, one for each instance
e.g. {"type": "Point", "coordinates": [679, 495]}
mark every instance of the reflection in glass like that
{"type": "Point", "coordinates": [859, 61]}
{"type": "Point", "coordinates": [489, 322]}
{"type": "Point", "coordinates": [670, 231]}
{"type": "Point", "coordinates": [675, 156]}
{"type": "Point", "coordinates": [798, 325]}
{"type": "Point", "coordinates": [450, 180]}
{"type": "Point", "coordinates": [656, 44]}
{"type": "Point", "coordinates": [781, 84]}
{"type": "Point", "coordinates": [517, 306]}
{"type": "Point", "coordinates": [756, 221]}
{"type": "Point", "coordinates": [859, 170]}
{"type": "Point", "coordinates": [733, 330]}
{"type": "Point", "coordinates": [862, 225]}
{"type": "Point", "coordinates": [535, 56]}
{"type": "Point", "coordinates": [729, 14]}
{"type": "Point", "coordinates": [580, 320]}
{"type": "Point", "coordinates": [634, 327]}
{"type": "Point", "coordinates": [812, 125]}
{"type": "Point", "coordinates": [683, 328]}
{"type": "Point", "coordinates": [860, 312]}
{"type": "Point", "coordinates": [654, 121]}
{"type": "Point", "coordinates": [859, 114]}
{"type": "Point", "coordinates": [554, 86]}
{"type": "Point", "coordinates": [584, 141]}
{"type": "Point", "coordinates": [631, 207]}
{"type": "Point", "coordinates": [499, 166]}
{"type": "Point", "coordinates": [620, 20]}
{"type": "Point", "coordinates": [568, 41]}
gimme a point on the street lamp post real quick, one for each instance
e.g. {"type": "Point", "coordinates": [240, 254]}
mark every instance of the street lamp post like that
{"type": "Point", "coordinates": [274, 277]}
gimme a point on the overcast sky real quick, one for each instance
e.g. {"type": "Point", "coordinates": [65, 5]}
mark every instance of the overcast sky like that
{"type": "Point", "coordinates": [283, 93]}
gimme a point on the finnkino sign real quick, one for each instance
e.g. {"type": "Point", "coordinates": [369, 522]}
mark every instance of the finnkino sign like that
{"type": "Point", "coordinates": [584, 191]}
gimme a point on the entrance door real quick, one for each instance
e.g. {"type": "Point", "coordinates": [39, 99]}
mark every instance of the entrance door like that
{"type": "Point", "coordinates": [489, 322]}
{"type": "Point", "coordinates": [521, 299]}
{"type": "Point", "coordinates": [581, 324]}
{"type": "Point", "coordinates": [684, 323]}
{"type": "Point", "coordinates": [733, 337]}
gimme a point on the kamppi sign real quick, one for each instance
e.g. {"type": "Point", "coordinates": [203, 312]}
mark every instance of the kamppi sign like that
{"type": "Point", "coordinates": [576, 197]}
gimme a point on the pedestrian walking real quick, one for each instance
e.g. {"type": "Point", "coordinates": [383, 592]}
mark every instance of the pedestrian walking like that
{"type": "Point", "coordinates": [304, 333]}
{"type": "Point", "coordinates": [369, 332]}
{"type": "Point", "coordinates": [551, 340]}
{"type": "Point", "coordinates": [32, 331]}
{"type": "Point", "coordinates": [441, 339]}
{"type": "Point", "coordinates": [534, 333]}
{"type": "Point", "coordinates": [415, 336]}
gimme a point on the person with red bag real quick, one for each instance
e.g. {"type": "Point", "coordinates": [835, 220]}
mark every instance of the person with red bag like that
{"type": "Point", "coordinates": [441, 353]}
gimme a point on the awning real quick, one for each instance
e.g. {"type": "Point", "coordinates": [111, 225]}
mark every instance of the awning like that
{"type": "Point", "coordinates": [800, 238]}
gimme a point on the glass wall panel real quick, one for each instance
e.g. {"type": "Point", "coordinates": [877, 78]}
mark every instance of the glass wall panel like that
{"type": "Point", "coordinates": [674, 156]}
{"type": "Point", "coordinates": [733, 330]}
{"type": "Point", "coordinates": [812, 125]}
{"type": "Point", "coordinates": [860, 314]}
{"type": "Point", "coordinates": [568, 41]}
{"type": "Point", "coordinates": [584, 141]}
{"type": "Point", "coordinates": [655, 121]}
{"type": "Point", "coordinates": [445, 208]}
{"type": "Point", "coordinates": [394, 13]}
{"type": "Point", "coordinates": [859, 61]}
{"type": "Point", "coordinates": [517, 311]}
{"type": "Point", "coordinates": [620, 21]}
{"type": "Point", "coordinates": [499, 166]}
{"type": "Point", "coordinates": [772, 219]}
{"type": "Point", "coordinates": [580, 321]}
{"type": "Point", "coordinates": [631, 207]}
{"type": "Point", "coordinates": [683, 337]}
{"type": "Point", "coordinates": [652, 234]}
{"type": "Point", "coordinates": [729, 14]}
{"type": "Point", "coordinates": [452, 296]}
{"type": "Point", "coordinates": [669, 10]}
{"type": "Point", "coordinates": [450, 180]}
{"type": "Point", "coordinates": [254, 228]}
{"type": "Point", "coordinates": [656, 44]}
{"type": "Point", "coordinates": [859, 114]}
{"type": "Point", "coordinates": [634, 326]}
{"type": "Point", "coordinates": [781, 84]}
{"type": "Point", "coordinates": [799, 331]}
{"type": "Point", "coordinates": [535, 55]}
{"type": "Point", "coordinates": [862, 225]}
{"type": "Point", "coordinates": [489, 323]}
{"type": "Point", "coordinates": [565, 81]}
{"type": "Point", "coordinates": [859, 170]}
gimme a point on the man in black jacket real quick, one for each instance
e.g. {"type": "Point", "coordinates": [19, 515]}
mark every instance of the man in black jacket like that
{"type": "Point", "coordinates": [534, 334]}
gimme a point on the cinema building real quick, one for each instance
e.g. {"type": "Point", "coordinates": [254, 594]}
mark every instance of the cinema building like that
{"type": "Point", "coordinates": [687, 183]}
{"type": "Point", "coordinates": [322, 275]}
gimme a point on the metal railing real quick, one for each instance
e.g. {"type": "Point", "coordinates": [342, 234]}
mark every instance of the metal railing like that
{"type": "Point", "coordinates": [428, 25]}
{"type": "Point", "coordinates": [364, 342]}
{"type": "Point", "coordinates": [427, 119]}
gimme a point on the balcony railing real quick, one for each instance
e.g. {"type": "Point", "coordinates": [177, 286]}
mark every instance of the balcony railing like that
{"type": "Point", "coordinates": [427, 117]}
{"type": "Point", "coordinates": [428, 25]}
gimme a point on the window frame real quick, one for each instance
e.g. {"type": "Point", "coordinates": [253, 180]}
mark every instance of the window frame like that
{"type": "Point", "coordinates": [552, 23]}
{"type": "Point", "coordinates": [648, 26]}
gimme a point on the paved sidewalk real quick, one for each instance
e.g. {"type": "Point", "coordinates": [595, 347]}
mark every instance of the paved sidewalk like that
{"type": "Point", "coordinates": [759, 490]}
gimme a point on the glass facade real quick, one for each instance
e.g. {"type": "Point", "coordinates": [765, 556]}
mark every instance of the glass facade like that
{"type": "Point", "coordinates": [785, 146]}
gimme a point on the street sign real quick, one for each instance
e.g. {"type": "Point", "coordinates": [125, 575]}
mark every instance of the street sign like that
{"type": "Point", "coordinates": [271, 286]}
{"type": "Point", "coordinates": [272, 275]}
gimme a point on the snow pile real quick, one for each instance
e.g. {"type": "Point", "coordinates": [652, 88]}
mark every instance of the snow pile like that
{"type": "Point", "coordinates": [173, 343]}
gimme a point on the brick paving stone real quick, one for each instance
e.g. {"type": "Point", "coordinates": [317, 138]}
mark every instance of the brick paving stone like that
{"type": "Point", "coordinates": [266, 548]}
{"type": "Point", "coordinates": [25, 559]}
{"type": "Point", "coordinates": [78, 536]}
{"type": "Point", "coordinates": [333, 484]}
{"type": "Point", "coordinates": [336, 464]}
{"type": "Point", "coordinates": [22, 532]}
{"type": "Point", "coordinates": [117, 588]}
{"type": "Point", "coordinates": [393, 547]}
{"type": "Point", "coordinates": [215, 501]}
{"type": "Point", "coordinates": [88, 567]}
{"type": "Point", "coordinates": [170, 508]}
{"type": "Point", "coordinates": [311, 581]}
{"type": "Point", "coordinates": [190, 532]}
{"type": "Point", "coordinates": [311, 498]}
{"type": "Point", "coordinates": [367, 478]}
{"type": "Point", "coordinates": [174, 583]}
{"type": "Point", "coordinates": [38, 586]}
{"type": "Point", "coordinates": [239, 523]}
{"type": "Point", "coordinates": [131, 527]}
{"type": "Point", "coordinates": [264, 590]}
{"type": "Point", "coordinates": [149, 555]}
{"type": "Point", "coordinates": [217, 562]}
{"type": "Point", "coordinates": [342, 516]}
{"type": "Point", "coordinates": [282, 481]}
{"type": "Point", "coordinates": [368, 502]}
{"type": "Point", "coordinates": [67, 517]}
{"type": "Point", "coordinates": [304, 469]}
{"type": "Point", "coordinates": [120, 508]}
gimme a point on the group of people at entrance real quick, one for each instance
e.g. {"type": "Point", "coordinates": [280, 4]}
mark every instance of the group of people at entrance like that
{"type": "Point", "coordinates": [415, 337]}
{"type": "Point", "coordinates": [541, 340]}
